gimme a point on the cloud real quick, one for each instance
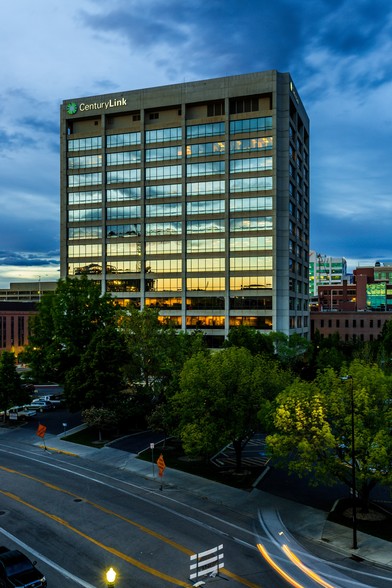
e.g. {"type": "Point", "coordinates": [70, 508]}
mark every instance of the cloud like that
{"type": "Point", "coordinates": [337, 51]}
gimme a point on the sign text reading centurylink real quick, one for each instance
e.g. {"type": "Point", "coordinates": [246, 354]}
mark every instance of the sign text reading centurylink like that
{"type": "Point", "coordinates": [73, 107]}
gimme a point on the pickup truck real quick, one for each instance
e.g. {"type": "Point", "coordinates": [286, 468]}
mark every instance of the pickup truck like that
{"type": "Point", "coordinates": [17, 571]}
{"type": "Point", "coordinates": [16, 413]}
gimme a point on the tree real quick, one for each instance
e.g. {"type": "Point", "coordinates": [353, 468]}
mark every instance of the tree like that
{"type": "Point", "coordinates": [64, 326]}
{"type": "Point", "coordinates": [99, 418]}
{"type": "Point", "coordinates": [219, 401]}
{"type": "Point", "coordinates": [313, 427]}
{"type": "Point", "coordinates": [251, 339]}
{"type": "Point", "coordinates": [99, 377]}
{"type": "Point", "coordinates": [11, 391]}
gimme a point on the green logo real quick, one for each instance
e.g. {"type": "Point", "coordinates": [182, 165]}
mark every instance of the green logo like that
{"type": "Point", "coordinates": [72, 108]}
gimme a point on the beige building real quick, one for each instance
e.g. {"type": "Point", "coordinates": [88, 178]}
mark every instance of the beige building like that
{"type": "Point", "coordinates": [192, 198]}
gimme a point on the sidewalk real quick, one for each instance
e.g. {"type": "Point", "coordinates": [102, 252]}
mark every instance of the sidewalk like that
{"type": "Point", "coordinates": [301, 520]}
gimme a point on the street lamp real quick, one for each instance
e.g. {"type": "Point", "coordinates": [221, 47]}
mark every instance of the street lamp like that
{"type": "Point", "coordinates": [353, 464]}
{"type": "Point", "coordinates": [110, 577]}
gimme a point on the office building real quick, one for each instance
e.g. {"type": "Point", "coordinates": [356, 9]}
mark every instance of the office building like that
{"type": "Point", "coordinates": [192, 198]}
{"type": "Point", "coordinates": [325, 270]}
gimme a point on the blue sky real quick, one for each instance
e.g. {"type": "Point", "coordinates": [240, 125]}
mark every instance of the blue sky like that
{"type": "Point", "coordinates": [339, 53]}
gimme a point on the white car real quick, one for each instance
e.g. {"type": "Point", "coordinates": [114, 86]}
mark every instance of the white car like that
{"type": "Point", "coordinates": [41, 405]}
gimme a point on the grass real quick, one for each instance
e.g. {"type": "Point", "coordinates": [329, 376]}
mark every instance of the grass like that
{"type": "Point", "coordinates": [175, 458]}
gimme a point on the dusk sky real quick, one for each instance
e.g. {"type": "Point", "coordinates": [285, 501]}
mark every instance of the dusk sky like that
{"type": "Point", "coordinates": [339, 53]}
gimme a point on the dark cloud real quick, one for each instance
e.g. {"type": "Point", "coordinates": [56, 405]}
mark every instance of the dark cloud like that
{"type": "Point", "coordinates": [27, 259]}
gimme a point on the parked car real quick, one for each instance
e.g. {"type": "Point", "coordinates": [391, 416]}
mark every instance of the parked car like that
{"type": "Point", "coordinates": [20, 413]}
{"type": "Point", "coordinates": [17, 570]}
{"type": "Point", "coordinates": [41, 405]}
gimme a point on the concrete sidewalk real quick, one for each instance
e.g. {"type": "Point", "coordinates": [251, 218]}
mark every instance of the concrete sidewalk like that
{"type": "Point", "coordinates": [301, 520]}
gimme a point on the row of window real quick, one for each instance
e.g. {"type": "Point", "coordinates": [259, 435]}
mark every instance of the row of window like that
{"type": "Point", "coordinates": [172, 209]}
{"type": "Point", "coordinates": [205, 284]}
{"type": "Point", "coordinates": [172, 134]}
{"type": "Point", "coordinates": [171, 247]}
{"type": "Point", "coordinates": [167, 153]}
{"type": "Point", "coordinates": [262, 223]}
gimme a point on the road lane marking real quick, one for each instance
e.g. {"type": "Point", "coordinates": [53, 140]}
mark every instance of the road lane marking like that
{"type": "Point", "coordinates": [49, 562]}
{"type": "Point", "coordinates": [142, 528]}
{"type": "Point", "coordinates": [136, 563]}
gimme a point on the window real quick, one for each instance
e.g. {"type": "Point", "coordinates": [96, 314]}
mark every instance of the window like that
{"type": "Point", "coordinates": [86, 144]}
{"type": "Point", "coordinates": [164, 153]}
{"type": "Point", "coordinates": [123, 157]}
{"type": "Point", "coordinates": [205, 226]}
{"type": "Point", "coordinates": [93, 250]}
{"type": "Point", "coordinates": [216, 108]}
{"type": "Point", "coordinates": [165, 172]}
{"type": "Point", "coordinates": [256, 184]}
{"type": "Point", "coordinates": [257, 144]}
{"type": "Point", "coordinates": [250, 282]}
{"type": "Point", "coordinates": [117, 212]}
{"type": "Point", "coordinates": [128, 230]}
{"type": "Point", "coordinates": [123, 248]}
{"type": "Point", "coordinates": [84, 233]}
{"type": "Point", "coordinates": [172, 209]}
{"type": "Point", "coordinates": [164, 135]}
{"type": "Point", "coordinates": [85, 162]}
{"type": "Point", "coordinates": [207, 130]}
{"type": "Point", "coordinates": [202, 188]}
{"type": "Point", "coordinates": [163, 266]}
{"type": "Point", "coordinates": [250, 263]}
{"type": "Point", "coordinates": [209, 168]}
{"type": "Point", "coordinates": [246, 104]}
{"type": "Point", "coordinates": [250, 165]}
{"type": "Point", "coordinates": [123, 139]}
{"type": "Point", "coordinates": [243, 204]}
{"type": "Point", "coordinates": [122, 176]}
{"type": "Point", "coordinates": [205, 149]}
{"type": "Point", "coordinates": [84, 215]}
{"type": "Point", "coordinates": [163, 247]}
{"type": "Point", "coordinates": [84, 180]}
{"type": "Point", "coordinates": [208, 264]}
{"type": "Point", "coordinates": [249, 125]}
{"type": "Point", "coordinates": [206, 207]}
{"type": "Point", "coordinates": [207, 283]}
{"type": "Point", "coordinates": [84, 197]}
{"type": "Point", "coordinates": [164, 191]}
{"type": "Point", "coordinates": [250, 243]}
{"type": "Point", "coordinates": [261, 223]}
{"type": "Point", "coordinates": [205, 245]}
{"type": "Point", "coordinates": [168, 228]}
{"type": "Point", "coordinates": [120, 194]}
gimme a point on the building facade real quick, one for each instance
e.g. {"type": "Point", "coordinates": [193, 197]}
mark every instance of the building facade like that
{"type": "Point", "coordinates": [325, 270]}
{"type": "Point", "coordinates": [192, 198]}
{"type": "Point", "coordinates": [14, 321]}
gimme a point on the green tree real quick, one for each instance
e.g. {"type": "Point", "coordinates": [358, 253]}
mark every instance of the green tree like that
{"type": "Point", "coordinates": [11, 391]}
{"type": "Point", "coordinates": [251, 339]}
{"type": "Point", "coordinates": [99, 377]}
{"type": "Point", "coordinates": [219, 400]}
{"type": "Point", "coordinates": [313, 427]}
{"type": "Point", "coordinates": [64, 326]}
{"type": "Point", "coordinates": [100, 419]}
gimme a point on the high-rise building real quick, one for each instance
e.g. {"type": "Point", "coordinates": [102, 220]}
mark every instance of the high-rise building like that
{"type": "Point", "coordinates": [192, 198]}
{"type": "Point", "coordinates": [325, 270]}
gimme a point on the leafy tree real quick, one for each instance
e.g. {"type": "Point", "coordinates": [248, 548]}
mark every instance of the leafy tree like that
{"type": "Point", "coordinates": [156, 353]}
{"type": "Point", "coordinates": [98, 379]}
{"type": "Point", "coordinates": [313, 427]}
{"type": "Point", "coordinates": [251, 339]}
{"type": "Point", "coordinates": [218, 401]}
{"type": "Point", "coordinates": [64, 326]}
{"type": "Point", "coordinates": [99, 418]}
{"type": "Point", "coordinates": [11, 391]}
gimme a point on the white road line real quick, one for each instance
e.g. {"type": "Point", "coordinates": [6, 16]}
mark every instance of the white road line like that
{"type": "Point", "coordinates": [49, 562]}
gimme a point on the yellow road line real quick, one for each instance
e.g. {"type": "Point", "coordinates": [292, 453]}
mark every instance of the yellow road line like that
{"type": "Point", "coordinates": [127, 558]}
{"type": "Point", "coordinates": [142, 528]}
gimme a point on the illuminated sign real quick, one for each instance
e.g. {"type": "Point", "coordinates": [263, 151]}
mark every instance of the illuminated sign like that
{"type": "Point", "coordinates": [73, 107]}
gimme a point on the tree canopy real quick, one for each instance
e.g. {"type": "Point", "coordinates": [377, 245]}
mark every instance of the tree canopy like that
{"type": "Point", "coordinates": [219, 400]}
{"type": "Point", "coordinates": [11, 390]}
{"type": "Point", "coordinates": [313, 433]}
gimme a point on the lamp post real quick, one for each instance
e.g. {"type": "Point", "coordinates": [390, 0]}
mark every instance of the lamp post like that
{"type": "Point", "coordinates": [110, 577]}
{"type": "Point", "coordinates": [353, 464]}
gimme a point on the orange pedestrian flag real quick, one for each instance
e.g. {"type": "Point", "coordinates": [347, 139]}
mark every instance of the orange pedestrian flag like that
{"type": "Point", "coordinates": [41, 431]}
{"type": "Point", "coordinates": [161, 465]}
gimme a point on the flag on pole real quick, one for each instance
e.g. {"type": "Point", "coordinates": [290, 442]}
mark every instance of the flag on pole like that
{"type": "Point", "coordinates": [41, 431]}
{"type": "Point", "coordinates": [161, 465]}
